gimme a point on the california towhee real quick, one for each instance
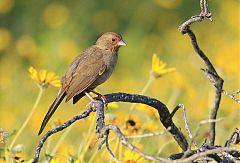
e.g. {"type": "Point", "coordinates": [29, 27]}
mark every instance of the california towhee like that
{"type": "Point", "coordinates": [88, 70]}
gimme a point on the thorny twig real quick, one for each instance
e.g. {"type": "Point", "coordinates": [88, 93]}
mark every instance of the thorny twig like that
{"type": "Point", "coordinates": [185, 28]}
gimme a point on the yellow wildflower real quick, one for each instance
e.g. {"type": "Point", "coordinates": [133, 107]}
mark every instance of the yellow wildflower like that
{"type": "Point", "coordinates": [44, 78]}
{"type": "Point", "coordinates": [151, 126]}
{"type": "Point", "coordinates": [159, 67]}
{"type": "Point", "coordinates": [148, 109]}
{"type": "Point", "coordinates": [133, 125]}
{"type": "Point", "coordinates": [131, 157]}
{"type": "Point", "coordinates": [113, 105]}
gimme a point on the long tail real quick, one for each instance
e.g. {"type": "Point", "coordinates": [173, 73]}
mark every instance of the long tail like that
{"type": "Point", "coordinates": [51, 110]}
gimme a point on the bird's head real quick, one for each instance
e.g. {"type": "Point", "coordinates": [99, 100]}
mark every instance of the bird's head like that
{"type": "Point", "coordinates": [110, 41]}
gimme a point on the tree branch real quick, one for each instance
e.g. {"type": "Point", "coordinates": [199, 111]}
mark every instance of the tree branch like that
{"type": "Point", "coordinates": [185, 28]}
{"type": "Point", "coordinates": [162, 111]}
{"type": "Point", "coordinates": [121, 97]}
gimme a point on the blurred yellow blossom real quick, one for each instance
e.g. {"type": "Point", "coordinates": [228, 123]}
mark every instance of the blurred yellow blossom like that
{"type": "Point", "coordinates": [44, 78]}
{"type": "Point", "coordinates": [5, 38]}
{"type": "Point", "coordinates": [132, 157]}
{"type": "Point", "coordinates": [26, 46]}
{"type": "Point", "coordinates": [148, 109]}
{"type": "Point", "coordinates": [159, 67]}
{"type": "Point", "coordinates": [5, 6]}
{"type": "Point", "coordinates": [55, 15]}
{"type": "Point", "coordinates": [151, 126]}
{"type": "Point", "coordinates": [113, 105]}
{"type": "Point", "coordinates": [133, 125]}
{"type": "Point", "coordinates": [57, 122]}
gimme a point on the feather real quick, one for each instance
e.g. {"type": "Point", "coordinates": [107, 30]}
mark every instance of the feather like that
{"type": "Point", "coordinates": [51, 110]}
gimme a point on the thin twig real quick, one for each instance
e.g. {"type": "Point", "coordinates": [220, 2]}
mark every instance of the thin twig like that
{"type": "Point", "coordinates": [213, 151]}
{"type": "Point", "coordinates": [232, 96]}
{"type": "Point", "coordinates": [109, 150]}
{"type": "Point", "coordinates": [148, 134]}
{"type": "Point", "coordinates": [234, 138]}
{"type": "Point", "coordinates": [203, 122]}
{"type": "Point", "coordinates": [186, 123]}
{"type": "Point", "coordinates": [197, 18]}
{"type": "Point", "coordinates": [59, 128]}
{"type": "Point", "coordinates": [105, 130]}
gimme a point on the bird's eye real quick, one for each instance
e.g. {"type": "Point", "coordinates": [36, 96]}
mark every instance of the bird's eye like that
{"type": "Point", "coordinates": [113, 39]}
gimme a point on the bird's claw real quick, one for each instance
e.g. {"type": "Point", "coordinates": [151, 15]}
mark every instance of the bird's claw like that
{"type": "Point", "coordinates": [104, 100]}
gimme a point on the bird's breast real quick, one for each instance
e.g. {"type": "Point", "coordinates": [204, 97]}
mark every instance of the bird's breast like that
{"type": "Point", "coordinates": [110, 62]}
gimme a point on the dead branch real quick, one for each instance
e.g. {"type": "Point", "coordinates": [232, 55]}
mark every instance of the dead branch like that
{"type": "Point", "coordinates": [185, 28]}
{"type": "Point", "coordinates": [120, 97]}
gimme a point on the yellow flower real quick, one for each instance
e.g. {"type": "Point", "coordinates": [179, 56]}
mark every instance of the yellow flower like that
{"type": "Point", "coordinates": [131, 157]}
{"type": "Point", "coordinates": [148, 109]}
{"type": "Point", "coordinates": [159, 67]}
{"type": "Point", "coordinates": [44, 78]}
{"type": "Point", "coordinates": [113, 105]}
{"type": "Point", "coordinates": [151, 126]}
{"type": "Point", "coordinates": [133, 125]}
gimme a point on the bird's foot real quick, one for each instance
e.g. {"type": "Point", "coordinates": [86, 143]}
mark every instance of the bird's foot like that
{"type": "Point", "coordinates": [103, 98]}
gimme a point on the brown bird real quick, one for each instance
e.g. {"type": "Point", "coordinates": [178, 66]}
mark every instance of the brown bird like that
{"type": "Point", "coordinates": [88, 70]}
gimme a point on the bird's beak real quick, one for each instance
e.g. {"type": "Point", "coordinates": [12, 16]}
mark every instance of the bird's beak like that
{"type": "Point", "coordinates": [122, 43]}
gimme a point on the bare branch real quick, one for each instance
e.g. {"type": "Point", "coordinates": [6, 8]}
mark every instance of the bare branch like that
{"type": "Point", "coordinates": [208, 152]}
{"type": "Point", "coordinates": [186, 124]}
{"type": "Point", "coordinates": [117, 97]}
{"type": "Point", "coordinates": [156, 104]}
{"type": "Point", "coordinates": [185, 28]}
{"type": "Point", "coordinates": [59, 128]}
{"type": "Point", "coordinates": [197, 18]}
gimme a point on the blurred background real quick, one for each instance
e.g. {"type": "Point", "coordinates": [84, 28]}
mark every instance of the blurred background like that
{"type": "Point", "coordinates": [49, 34]}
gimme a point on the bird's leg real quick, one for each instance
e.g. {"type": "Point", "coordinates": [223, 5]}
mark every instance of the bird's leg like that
{"type": "Point", "coordinates": [102, 97]}
{"type": "Point", "coordinates": [89, 96]}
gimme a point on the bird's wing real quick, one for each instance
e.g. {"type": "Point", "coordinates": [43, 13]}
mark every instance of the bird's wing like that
{"type": "Point", "coordinates": [90, 66]}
